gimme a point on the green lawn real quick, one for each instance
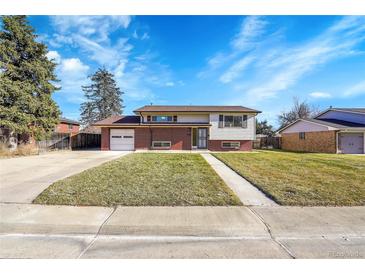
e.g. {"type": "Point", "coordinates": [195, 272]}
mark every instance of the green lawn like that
{"type": "Point", "coordinates": [144, 179]}
{"type": "Point", "coordinates": [306, 179]}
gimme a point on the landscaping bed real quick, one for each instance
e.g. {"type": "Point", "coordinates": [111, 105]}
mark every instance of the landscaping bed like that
{"type": "Point", "coordinates": [303, 179]}
{"type": "Point", "coordinates": [144, 179]}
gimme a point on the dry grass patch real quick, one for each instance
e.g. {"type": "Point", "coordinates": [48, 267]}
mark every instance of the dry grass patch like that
{"type": "Point", "coordinates": [144, 179]}
{"type": "Point", "coordinates": [21, 150]}
{"type": "Point", "coordinates": [304, 179]}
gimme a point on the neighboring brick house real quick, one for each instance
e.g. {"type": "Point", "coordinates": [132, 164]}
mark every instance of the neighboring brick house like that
{"type": "Point", "coordinates": [67, 126]}
{"type": "Point", "coordinates": [219, 128]}
{"type": "Point", "coordinates": [336, 130]}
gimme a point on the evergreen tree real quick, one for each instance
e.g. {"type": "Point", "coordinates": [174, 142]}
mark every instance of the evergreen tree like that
{"type": "Point", "coordinates": [26, 80]}
{"type": "Point", "coordinates": [263, 127]}
{"type": "Point", "coordinates": [103, 98]}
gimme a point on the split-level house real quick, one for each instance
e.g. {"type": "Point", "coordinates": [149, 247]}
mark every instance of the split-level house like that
{"type": "Point", "coordinates": [216, 128]}
{"type": "Point", "coordinates": [335, 130]}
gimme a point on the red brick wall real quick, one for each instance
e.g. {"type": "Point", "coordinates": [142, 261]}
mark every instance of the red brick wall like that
{"type": "Point", "coordinates": [216, 145]}
{"type": "Point", "coordinates": [105, 138]}
{"type": "Point", "coordinates": [321, 141]}
{"type": "Point", "coordinates": [180, 137]}
{"type": "Point", "coordinates": [63, 128]}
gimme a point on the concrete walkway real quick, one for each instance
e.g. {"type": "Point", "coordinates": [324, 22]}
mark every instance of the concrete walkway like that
{"type": "Point", "coordinates": [34, 231]}
{"type": "Point", "coordinates": [23, 178]}
{"type": "Point", "coordinates": [248, 194]}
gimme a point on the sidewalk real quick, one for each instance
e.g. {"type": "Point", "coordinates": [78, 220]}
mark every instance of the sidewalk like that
{"type": "Point", "coordinates": [34, 231]}
{"type": "Point", "coordinates": [248, 194]}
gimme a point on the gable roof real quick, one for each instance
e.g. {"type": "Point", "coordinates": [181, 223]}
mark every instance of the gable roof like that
{"type": "Point", "coordinates": [182, 108]}
{"type": "Point", "coordinates": [350, 110]}
{"type": "Point", "coordinates": [333, 123]}
{"type": "Point", "coordinates": [69, 121]}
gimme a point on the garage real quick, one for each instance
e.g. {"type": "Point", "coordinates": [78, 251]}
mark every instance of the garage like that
{"type": "Point", "coordinates": [351, 143]}
{"type": "Point", "coordinates": [121, 139]}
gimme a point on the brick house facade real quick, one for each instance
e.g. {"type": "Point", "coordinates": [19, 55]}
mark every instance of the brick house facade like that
{"type": "Point", "coordinates": [180, 128]}
{"type": "Point", "coordinates": [336, 130]}
{"type": "Point", "coordinates": [321, 141]}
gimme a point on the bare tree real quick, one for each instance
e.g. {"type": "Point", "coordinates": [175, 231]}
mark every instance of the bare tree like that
{"type": "Point", "coordinates": [300, 109]}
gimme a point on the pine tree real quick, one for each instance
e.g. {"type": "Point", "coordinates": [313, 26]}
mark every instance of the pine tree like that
{"type": "Point", "coordinates": [26, 80]}
{"type": "Point", "coordinates": [103, 98]}
{"type": "Point", "coordinates": [263, 127]}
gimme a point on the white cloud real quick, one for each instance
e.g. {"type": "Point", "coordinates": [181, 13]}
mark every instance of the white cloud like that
{"type": "Point", "coordinates": [236, 69]}
{"type": "Point", "coordinates": [170, 84]}
{"type": "Point", "coordinates": [355, 90]}
{"type": "Point", "coordinates": [73, 66]}
{"type": "Point", "coordinates": [98, 27]}
{"type": "Point", "coordinates": [284, 70]}
{"type": "Point", "coordinates": [252, 27]}
{"type": "Point", "coordinates": [73, 74]}
{"type": "Point", "coordinates": [136, 75]}
{"type": "Point", "coordinates": [319, 95]}
{"type": "Point", "coordinates": [54, 55]}
{"type": "Point", "coordinates": [144, 36]}
{"type": "Point", "coordinates": [105, 55]}
{"type": "Point", "coordinates": [247, 39]}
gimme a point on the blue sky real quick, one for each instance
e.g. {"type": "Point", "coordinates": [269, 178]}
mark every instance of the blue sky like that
{"type": "Point", "coordinates": [260, 62]}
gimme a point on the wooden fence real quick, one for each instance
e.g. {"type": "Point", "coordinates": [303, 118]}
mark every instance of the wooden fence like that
{"type": "Point", "coordinates": [85, 141]}
{"type": "Point", "coordinates": [57, 141]}
{"type": "Point", "coordinates": [267, 142]}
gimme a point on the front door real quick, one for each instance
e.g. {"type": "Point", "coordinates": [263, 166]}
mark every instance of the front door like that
{"type": "Point", "coordinates": [202, 138]}
{"type": "Point", "coordinates": [351, 143]}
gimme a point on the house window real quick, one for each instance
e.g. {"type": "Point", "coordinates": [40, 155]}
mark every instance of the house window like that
{"type": "Point", "coordinates": [162, 118]}
{"type": "Point", "coordinates": [233, 121]}
{"type": "Point", "coordinates": [161, 144]}
{"type": "Point", "coordinates": [302, 135]}
{"type": "Point", "coordinates": [235, 145]}
{"type": "Point", "coordinates": [70, 126]}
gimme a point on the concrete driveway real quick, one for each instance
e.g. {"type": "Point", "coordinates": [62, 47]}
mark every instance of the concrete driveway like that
{"type": "Point", "coordinates": [23, 178]}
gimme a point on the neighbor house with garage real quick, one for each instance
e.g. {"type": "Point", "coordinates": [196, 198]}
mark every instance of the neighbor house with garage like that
{"type": "Point", "coordinates": [216, 128]}
{"type": "Point", "coordinates": [335, 130]}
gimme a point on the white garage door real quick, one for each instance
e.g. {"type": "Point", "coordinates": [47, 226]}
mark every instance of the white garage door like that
{"type": "Point", "coordinates": [122, 139]}
{"type": "Point", "coordinates": [351, 143]}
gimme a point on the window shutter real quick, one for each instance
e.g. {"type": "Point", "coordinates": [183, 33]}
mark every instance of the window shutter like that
{"type": "Point", "coordinates": [148, 118]}
{"type": "Point", "coordinates": [244, 121]}
{"type": "Point", "coordinates": [220, 124]}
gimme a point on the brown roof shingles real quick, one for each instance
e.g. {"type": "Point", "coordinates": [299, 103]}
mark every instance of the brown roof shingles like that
{"type": "Point", "coordinates": [160, 108]}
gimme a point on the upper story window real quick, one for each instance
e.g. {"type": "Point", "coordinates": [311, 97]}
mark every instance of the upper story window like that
{"type": "Point", "coordinates": [70, 126]}
{"type": "Point", "coordinates": [162, 118]}
{"type": "Point", "coordinates": [233, 121]}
